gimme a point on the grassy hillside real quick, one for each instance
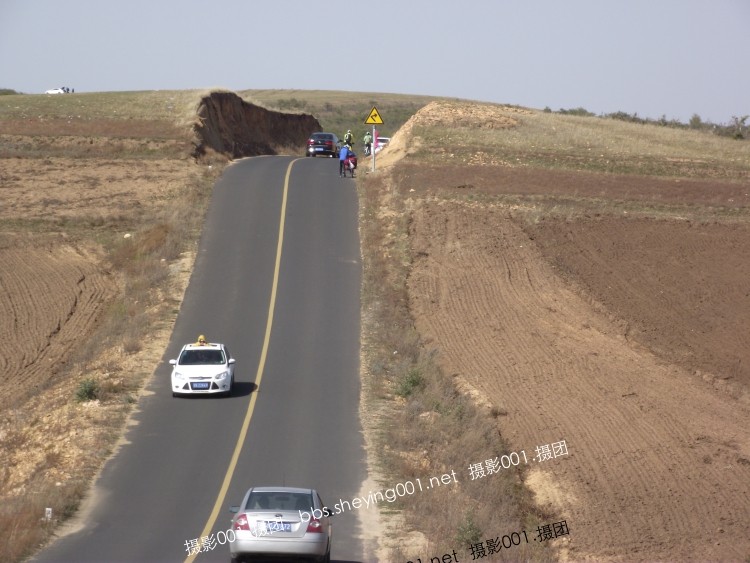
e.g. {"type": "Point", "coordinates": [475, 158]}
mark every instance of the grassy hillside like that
{"type": "Point", "coordinates": [551, 140]}
{"type": "Point", "coordinates": [339, 111]}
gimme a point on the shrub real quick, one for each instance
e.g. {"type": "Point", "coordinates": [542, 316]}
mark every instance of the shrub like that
{"type": "Point", "coordinates": [547, 109]}
{"type": "Point", "coordinates": [87, 390]}
{"type": "Point", "coordinates": [581, 112]}
{"type": "Point", "coordinates": [131, 345]}
{"type": "Point", "coordinates": [8, 92]}
{"type": "Point", "coordinates": [291, 103]}
{"type": "Point", "coordinates": [695, 121]}
{"type": "Point", "coordinates": [624, 116]}
{"type": "Point", "coordinates": [468, 532]}
{"type": "Point", "coordinates": [411, 381]}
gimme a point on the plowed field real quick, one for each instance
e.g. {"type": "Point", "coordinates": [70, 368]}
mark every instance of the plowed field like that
{"type": "Point", "coordinates": [659, 458]}
{"type": "Point", "coordinates": [50, 297]}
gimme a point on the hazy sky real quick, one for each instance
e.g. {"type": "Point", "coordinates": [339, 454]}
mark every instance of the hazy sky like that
{"type": "Point", "coordinates": [654, 57]}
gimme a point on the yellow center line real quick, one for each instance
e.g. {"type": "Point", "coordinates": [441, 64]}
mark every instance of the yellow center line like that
{"type": "Point", "coordinates": [258, 376]}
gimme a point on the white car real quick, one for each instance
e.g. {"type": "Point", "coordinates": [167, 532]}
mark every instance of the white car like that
{"type": "Point", "coordinates": [382, 142]}
{"type": "Point", "coordinates": [55, 91]}
{"type": "Point", "coordinates": [203, 369]}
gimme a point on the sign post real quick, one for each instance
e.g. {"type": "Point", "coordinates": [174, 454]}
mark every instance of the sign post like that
{"type": "Point", "coordinates": [374, 119]}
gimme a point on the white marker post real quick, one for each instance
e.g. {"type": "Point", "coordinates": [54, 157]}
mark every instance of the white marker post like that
{"type": "Point", "coordinates": [373, 119]}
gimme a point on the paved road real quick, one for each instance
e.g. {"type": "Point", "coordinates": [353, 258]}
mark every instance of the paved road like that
{"type": "Point", "coordinates": [158, 491]}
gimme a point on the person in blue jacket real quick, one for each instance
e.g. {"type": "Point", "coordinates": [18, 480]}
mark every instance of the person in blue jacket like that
{"type": "Point", "coordinates": [342, 158]}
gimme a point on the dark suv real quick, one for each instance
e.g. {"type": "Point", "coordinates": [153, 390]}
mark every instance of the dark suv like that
{"type": "Point", "coordinates": [322, 143]}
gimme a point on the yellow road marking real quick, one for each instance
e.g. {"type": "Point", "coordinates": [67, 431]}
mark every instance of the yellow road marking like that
{"type": "Point", "coordinates": [258, 375]}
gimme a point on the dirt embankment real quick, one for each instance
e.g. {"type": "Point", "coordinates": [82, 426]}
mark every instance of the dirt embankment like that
{"type": "Point", "coordinates": [404, 142]}
{"type": "Point", "coordinates": [232, 126]}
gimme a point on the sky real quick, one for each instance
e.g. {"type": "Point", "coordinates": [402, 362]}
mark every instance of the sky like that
{"type": "Point", "coordinates": [654, 57]}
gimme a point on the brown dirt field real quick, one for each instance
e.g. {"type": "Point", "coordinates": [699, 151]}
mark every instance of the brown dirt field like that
{"type": "Point", "coordinates": [659, 463]}
{"type": "Point", "coordinates": [497, 179]}
{"type": "Point", "coordinates": [91, 188]}
{"type": "Point", "coordinates": [683, 288]}
{"type": "Point", "coordinates": [78, 126]}
{"type": "Point", "coordinates": [51, 295]}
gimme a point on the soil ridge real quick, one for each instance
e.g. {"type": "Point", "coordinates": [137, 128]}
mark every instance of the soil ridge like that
{"type": "Point", "coordinates": [236, 128]}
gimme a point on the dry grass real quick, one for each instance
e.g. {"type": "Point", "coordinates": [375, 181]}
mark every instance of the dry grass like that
{"type": "Point", "coordinates": [157, 105]}
{"type": "Point", "coordinates": [584, 143]}
{"type": "Point", "coordinates": [430, 427]}
{"type": "Point", "coordinates": [22, 517]}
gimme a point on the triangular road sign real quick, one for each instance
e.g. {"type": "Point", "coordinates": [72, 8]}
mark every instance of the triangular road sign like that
{"type": "Point", "coordinates": [374, 118]}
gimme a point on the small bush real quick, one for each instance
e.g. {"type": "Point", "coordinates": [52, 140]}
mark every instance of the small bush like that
{"type": "Point", "coordinates": [291, 103]}
{"type": "Point", "coordinates": [581, 112]}
{"type": "Point", "coordinates": [131, 345]}
{"type": "Point", "coordinates": [695, 121]}
{"type": "Point", "coordinates": [107, 388]}
{"type": "Point", "coordinates": [8, 92]}
{"type": "Point", "coordinates": [497, 411]}
{"type": "Point", "coordinates": [87, 390]}
{"type": "Point", "coordinates": [547, 109]}
{"type": "Point", "coordinates": [411, 381]}
{"type": "Point", "coordinates": [468, 532]}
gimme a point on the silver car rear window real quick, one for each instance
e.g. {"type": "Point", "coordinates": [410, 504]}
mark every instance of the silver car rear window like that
{"type": "Point", "coordinates": [201, 357]}
{"type": "Point", "coordinates": [279, 501]}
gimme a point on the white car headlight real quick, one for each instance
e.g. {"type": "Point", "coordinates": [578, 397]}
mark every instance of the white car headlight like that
{"type": "Point", "coordinates": [178, 375]}
{"type": "Point", "coordinates": [222, 375]}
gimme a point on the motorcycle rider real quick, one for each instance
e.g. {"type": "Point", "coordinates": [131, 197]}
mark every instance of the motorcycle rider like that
{"type": "Point", "coordinates": [368, 143]}
{"type": "Point", "coordinates": [342, 158]}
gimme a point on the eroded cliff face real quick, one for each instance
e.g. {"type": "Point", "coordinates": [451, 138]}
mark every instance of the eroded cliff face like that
{"type": "Point", "coordinates": [236, 128]}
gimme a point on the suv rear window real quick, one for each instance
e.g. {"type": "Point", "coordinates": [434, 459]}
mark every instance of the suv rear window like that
{"type": "Point", "coordinates": [279, 501]}
{"type": "Point", "coordinates": [201, 357]}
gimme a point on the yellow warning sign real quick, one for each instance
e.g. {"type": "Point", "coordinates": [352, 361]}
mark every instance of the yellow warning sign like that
{"type": "Point", "coordinates": [374, 118]}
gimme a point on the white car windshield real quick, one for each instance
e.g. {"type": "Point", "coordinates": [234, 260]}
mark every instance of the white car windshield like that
{"type": "Point", "coordinates": [201, 357]}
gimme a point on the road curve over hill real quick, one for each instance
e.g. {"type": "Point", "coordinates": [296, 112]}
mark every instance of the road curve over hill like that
{"type": "Point", "coordinates": [160, 489]}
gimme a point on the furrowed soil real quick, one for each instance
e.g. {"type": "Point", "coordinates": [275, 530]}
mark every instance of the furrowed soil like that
{"type": "Point", "coordinates": [606, 310]}
{"type": "Point", "coordinates": [51, 295]}
{"type": "Point", "coordinates": [656, 453]}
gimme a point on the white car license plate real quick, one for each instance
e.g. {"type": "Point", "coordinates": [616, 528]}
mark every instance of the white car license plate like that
{"type": "Point", "coordinates": [278, 526]}
{"type": "Point", "coordinates": [198, 386]}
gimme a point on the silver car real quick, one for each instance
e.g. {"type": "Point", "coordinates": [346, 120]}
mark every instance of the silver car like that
{"type": "Point", "coordinates": [281, 522]}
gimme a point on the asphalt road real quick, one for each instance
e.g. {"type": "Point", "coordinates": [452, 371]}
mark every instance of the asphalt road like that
{"type": "Point", "coordinates": [158, 491]}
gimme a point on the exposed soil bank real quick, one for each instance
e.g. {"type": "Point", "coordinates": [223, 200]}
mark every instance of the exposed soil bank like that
{"type": "Point", "coordinates": [231, 126]}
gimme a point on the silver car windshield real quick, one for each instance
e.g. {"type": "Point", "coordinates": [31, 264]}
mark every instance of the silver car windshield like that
{"type": "Point", "coordinates": [279, 501]}
{"type": "Point", "coordinates": [201, 357]}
